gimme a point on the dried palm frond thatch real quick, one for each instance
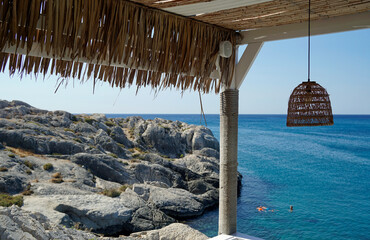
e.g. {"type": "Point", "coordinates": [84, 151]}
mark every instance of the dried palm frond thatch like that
{"type": "Point", "coordinates": [112, 40]}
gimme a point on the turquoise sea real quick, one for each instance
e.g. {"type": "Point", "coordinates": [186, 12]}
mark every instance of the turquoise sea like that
{"type": "Point", "coordinates": [324, 172]}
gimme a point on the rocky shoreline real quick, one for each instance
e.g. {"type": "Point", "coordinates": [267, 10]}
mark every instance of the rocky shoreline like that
{"type": "Point", "coordinates": [106, 176]}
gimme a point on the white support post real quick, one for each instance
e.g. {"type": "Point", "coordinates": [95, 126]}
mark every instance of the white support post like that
{"type": "Point", "coordinates": [246, 61]}
{"type": "Point", "coordinates": [229, 113]}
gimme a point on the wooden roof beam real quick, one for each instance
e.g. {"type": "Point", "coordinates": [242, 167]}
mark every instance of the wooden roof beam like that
{"type": "Point", "coordinates": [246, 62]}
{"type": "Point", "coordinates": [211, 6]}
{"type": "Point", "coordinates": [324, 26]}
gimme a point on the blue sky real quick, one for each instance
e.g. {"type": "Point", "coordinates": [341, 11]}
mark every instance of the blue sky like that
{"type": "Point", "coordinates": [340, 62]}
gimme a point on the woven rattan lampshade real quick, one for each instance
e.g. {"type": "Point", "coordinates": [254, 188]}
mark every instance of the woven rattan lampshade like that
{"type": "Point", "coordinates": [309, 105]}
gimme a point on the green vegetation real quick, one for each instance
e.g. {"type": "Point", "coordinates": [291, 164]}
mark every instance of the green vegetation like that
{"type": "Point", "coordinates": [90, 120]}
{"type": "Point", "coordinates": [48, 166]}
{"type": "Point", "coordinates": [78, 226]}
{"type": "Point", "coordinates": [28, 191]}
{"type": "Point", "coordinates": [181, 155]}
{"type": "Point", "coordinates": [77, 140]}
{"type": "Point", "coordinates": [6, 200]}
{"type": "Point", "coordinates": [138, 149]}
{"type": "Point", "coordinates": [57, 178]}
{"type": "Point", "coordinates": [121, 145]}
{"type": "Point", "coordinates": [20, 152]}
{"type": "Point", "coordinates": [3, 169]}
{"type": "Point", "coordinates": [74, 119]}
{"type": "Point", "coordinates": [115, 192]}
{"type": "Point", "coordinates": [113, 155]}
{"type": "Point", "coordinates": [111, 193]}
{"type": "Point", "coordinates": [11, 155]}
{"type": "Point", "coordinates": [91, 147]}
{"type": "Point", "coordinates": [136, 155]}
{"type": "Point", "coordinates": [36, 123]}
{"type": "Point", "coordinates": [124, 187]}
{"type": "Point", "coordinates": [29, 164]}
{"type": "Point", "coordinates": [165, 127]}
{"type": "Point", "coordinates": [70, 180]}
{"type": "Point", "coordinates": [29, 172]}
{"type": "Point", "coordinates": [131, 132]}
{"type": "Point", "coordinates": [68, 130]}
{"type": "Point", "coordinates": [109, 124]}
{"type": "Point", "coordinates": [57, 175]}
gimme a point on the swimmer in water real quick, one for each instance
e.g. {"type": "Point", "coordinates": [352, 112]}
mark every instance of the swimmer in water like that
{"type": "Point", "coordinates": [291, 208]}
{"type": "Point", "coordinates": [260, 209]}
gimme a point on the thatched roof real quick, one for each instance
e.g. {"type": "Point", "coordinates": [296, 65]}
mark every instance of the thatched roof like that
{"type": "Point", "coordinates": [258, 13]}
{"type": "Point", "coordinates": [157, 43]}
{"type": "Point", "coordinates": [112, 40]}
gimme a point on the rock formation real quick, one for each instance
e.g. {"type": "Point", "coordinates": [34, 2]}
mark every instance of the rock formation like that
{"type": "Point", "coordinates": [108, 176]}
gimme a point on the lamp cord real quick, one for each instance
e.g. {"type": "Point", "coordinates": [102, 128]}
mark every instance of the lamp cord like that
{"type": "Point", "coordinates": [309, 38]}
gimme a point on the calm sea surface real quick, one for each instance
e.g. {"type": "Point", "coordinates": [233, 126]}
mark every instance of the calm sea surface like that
{"type": "Point", "coordinates": [324, 172]}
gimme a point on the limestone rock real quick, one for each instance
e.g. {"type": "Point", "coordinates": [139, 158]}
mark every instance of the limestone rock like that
{"type": "Point", "coordinates": [204, 166]}
{"type": "Point", "coordinates": [157, 173]}
{"type": "Point", "coordinates": [175, 202]}
{"type": "Point", "coordinates": [203, 138]}
{"type": "Point", "coordinates": [103, 166]}
{"type": "Point", "coordinates": [163, 137]}
{"type": "Point", "coordinates": [119, 136]}
{"type": "Point", "coordinates": [145, 216]}
{"type": "Point", "coordinates": [12, 183]}
{"type": "Point", "coordinates": [173, 167]}
{"type": "Point", "coordinates": [96, 212]}
{"type": "Point", "coordinates": [103, 184]}
{"type": "Point", "coordinates": [175, 231]}
{"type": "Point", "coordinates": [83, 127]}
{"type": "Point", "coordinates": [31, 140]}
{"type": "Point", "coordinates": [18, 224]}
{"type": "Point", "coordinates": [108, 144]}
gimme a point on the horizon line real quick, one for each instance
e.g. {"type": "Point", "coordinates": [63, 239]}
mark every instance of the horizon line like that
{"type": "Point", "coordinates": [280, 114]}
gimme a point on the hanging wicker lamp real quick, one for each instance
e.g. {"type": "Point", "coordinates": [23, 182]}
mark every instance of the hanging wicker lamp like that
{"type": "Point", "coordinates": [309, 103]}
